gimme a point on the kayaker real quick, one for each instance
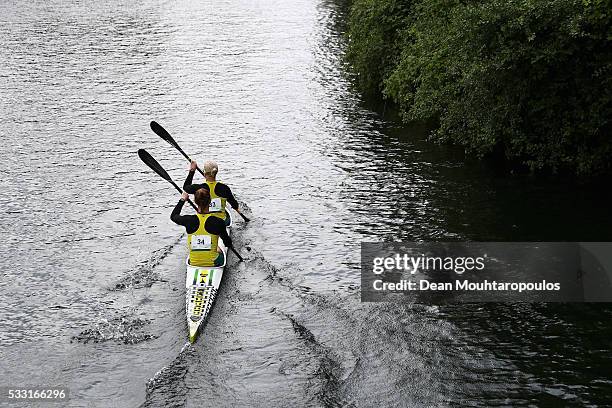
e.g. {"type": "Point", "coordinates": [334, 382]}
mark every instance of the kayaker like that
{"type": "Point", "coordinates": [220, 193]}
{"type": "Point", "coordinates": [203, 229]}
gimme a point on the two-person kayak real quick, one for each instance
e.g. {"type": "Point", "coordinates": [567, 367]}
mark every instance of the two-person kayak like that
{"type": "Point", "coordinates": [208, 232]}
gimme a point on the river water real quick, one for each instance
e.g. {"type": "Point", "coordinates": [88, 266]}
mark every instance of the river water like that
{"type": "Point", "coordinates": [92, 287]}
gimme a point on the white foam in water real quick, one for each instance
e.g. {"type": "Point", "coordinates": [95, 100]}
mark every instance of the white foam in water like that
{"type": "Point", "coordinates": [187, 344]}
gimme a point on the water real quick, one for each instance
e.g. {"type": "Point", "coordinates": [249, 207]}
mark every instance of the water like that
{"type": "Point", "coordinates": [92, 266]}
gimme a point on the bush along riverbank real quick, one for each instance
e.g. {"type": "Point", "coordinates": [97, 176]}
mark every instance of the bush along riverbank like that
{"type": "Point", "coordinates": [527, 80]}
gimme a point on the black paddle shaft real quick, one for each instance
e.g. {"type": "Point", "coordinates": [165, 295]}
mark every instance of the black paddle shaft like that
{"type": "Point", "coordinates": [157, 168]}
{"type": "Point", "coordinates": [163, 133]}
{"type": "Point", "coordinates": [237, 254]}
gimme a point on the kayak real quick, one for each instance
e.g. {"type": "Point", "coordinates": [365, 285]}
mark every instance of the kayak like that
{"type": "Point", "coordinates": [201, 287]}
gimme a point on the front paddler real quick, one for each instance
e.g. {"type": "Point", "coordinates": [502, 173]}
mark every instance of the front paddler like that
{"type": "Point", "coordinates": [204, 230]}
{"type": "Point", "coordinates": [220, 193]}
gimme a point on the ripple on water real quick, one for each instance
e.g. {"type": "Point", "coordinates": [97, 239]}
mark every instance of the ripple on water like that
{"type": "Point", "coordinates": [123, 329]}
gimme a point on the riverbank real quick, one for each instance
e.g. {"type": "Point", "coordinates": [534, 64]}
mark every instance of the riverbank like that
{"type": "Point", "coordinates": [528, 82]}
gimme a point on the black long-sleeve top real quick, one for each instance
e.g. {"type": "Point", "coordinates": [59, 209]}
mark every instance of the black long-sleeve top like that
{"type": "Point", "coordinates": [213, 225]}
{"type": "Point", "coordinates": [222, 190]}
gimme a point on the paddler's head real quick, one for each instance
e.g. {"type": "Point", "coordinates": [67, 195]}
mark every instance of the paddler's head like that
{"type": "Point", "coordinates": [210, 170]}
{"type": "Point", "coordinates": [202, 200]}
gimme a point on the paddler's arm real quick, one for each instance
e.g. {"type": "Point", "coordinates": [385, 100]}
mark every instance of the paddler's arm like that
{"type": "Point", "coordinates": [192, 188]}
{"type": "Point", "coordinates": [223, 190]}
{"type": "Point", "coordinates": [216, 225]}
{"type": "Point", "coordinates": [190, 222]}
{"type": "Point", "coordinates": [192, 168]}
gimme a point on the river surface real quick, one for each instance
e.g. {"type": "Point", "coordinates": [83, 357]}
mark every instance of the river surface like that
{"type": "Point", "coordinates": [92, 288]}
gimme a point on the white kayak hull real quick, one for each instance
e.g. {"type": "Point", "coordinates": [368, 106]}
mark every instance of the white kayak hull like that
{"type": "Point", "coordinates": [201, 287]}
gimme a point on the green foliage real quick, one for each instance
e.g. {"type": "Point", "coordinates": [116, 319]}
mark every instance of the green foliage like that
{"type": "Point", "coordinates": [375, 33]}
{"type": "Point", "coordinates": [531, 79]}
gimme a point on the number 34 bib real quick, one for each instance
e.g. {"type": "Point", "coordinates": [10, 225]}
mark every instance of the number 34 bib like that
{"type": "Point", "coordinates": [201, 243]}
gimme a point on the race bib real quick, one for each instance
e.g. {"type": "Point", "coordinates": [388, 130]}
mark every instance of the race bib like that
{"type": "Point", "coordinates": [215, 205]}
{"type": "Point", "coordinates": [201, 243]}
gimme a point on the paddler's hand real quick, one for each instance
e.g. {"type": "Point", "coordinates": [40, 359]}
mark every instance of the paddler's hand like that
{"type": "Point", "coordinates": [193, 166]}
{"type": "Point", "coordinates": [184, 196]}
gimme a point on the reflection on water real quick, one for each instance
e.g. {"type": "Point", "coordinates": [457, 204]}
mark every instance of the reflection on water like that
{"type": "Point", "coordinates": [260, 86]}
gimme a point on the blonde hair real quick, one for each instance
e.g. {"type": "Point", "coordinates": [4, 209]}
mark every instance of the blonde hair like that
{"type": "Point", "coordinates": [211, 168]}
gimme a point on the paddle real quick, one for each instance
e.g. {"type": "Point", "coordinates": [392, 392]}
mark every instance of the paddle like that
{"type": "Point", "coordinates": [163, 133]}
{"type": "Point", "coordinates": [157, 168]}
